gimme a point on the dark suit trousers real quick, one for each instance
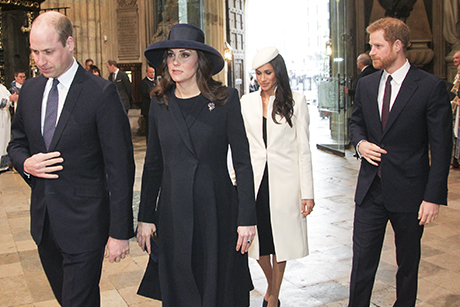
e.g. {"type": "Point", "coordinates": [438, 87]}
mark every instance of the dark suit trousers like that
{"type": "Point", "coordinates": [74, 278]}
{"type": "Point", "coordinates": [371, 218]}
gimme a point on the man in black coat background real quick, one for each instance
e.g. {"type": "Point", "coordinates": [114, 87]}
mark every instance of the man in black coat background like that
{"type": "Point", "coordinates": [364, 64]}
{"type": "Point", "coordinates": [121, 80]}
{"type": "Point", "coordinates": [147, 85]}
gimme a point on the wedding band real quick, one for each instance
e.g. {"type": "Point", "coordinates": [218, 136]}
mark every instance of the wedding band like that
{"type": "Point", "coordinates": [249, 241]}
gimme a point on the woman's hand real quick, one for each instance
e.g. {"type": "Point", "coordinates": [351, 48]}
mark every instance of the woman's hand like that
{"type": "Point", "coordinates": [144, 231]}
{"type": "Point", "coordinates": [307, 206]}
{"type": "Point", "coordinates": [245, 236]}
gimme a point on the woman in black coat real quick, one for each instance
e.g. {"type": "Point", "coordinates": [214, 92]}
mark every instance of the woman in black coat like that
{"type": "Point", "coordinates": [204, 225]}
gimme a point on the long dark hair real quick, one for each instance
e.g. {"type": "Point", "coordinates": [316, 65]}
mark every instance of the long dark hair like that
{"type": "Point", "coordinates": [210, 88]}
{"type": "Point", "coordinates": [284, 103]}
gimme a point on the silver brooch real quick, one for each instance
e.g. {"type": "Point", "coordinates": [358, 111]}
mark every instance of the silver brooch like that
{"type": "Point", "coordinates": [211, 106]}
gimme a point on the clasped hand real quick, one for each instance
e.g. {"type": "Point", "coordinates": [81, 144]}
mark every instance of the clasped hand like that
{"type": "Point", "coordinates": [43, 165]}
{"type": "Point", "coordinates": [116, 249]}
{"type": "Point", "coordinates": [371, 152]}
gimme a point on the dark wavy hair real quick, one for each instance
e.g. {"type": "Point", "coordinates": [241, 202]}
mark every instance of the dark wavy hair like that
{"type": "Point", "coordinates": [284, 103]}
{"type": "Point", "coordinates": [210, 88]}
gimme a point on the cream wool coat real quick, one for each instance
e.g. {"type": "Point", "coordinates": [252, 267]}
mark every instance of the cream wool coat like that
{"type": "Point", "coordinates": [290, 171]}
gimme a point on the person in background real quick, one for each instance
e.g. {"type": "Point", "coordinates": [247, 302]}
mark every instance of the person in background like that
{"type": "Point", "coordinates": [95, 70]}
{"type": "Point", "coordinates": [364, 64]}
{"type": "Point", "coordinates": [147, 85]}
{"type": "Point", "coordinates": [253, 85]}
{"type": "Point", "coordinates": [401, 128]}
{"type": "Point", "coordinates": [204, 225]}
{"type": "Point", "coordinates": [71, 142]}
{"type": "Point", "coordinates": [121, 80]}
{"type": "Point", "coordinates": [88, 64]}
{"type": "Point", "coordinates": [15, 88]}
{"type": "Point", "coordinates": [276, 121]}
{"type": "Point", "coordinates": [456, 112]}
{"type": "Point", "coordinates": [5, 126]}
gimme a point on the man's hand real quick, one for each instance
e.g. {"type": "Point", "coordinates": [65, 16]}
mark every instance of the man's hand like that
{"type": "Point", "coordinates": [371, 152]}
{"type": "Point", "coordinates": [427, 213]}
{"type": "Point", "coordinates": [245, 236]}
{"type": "Point", "coordinates": [42, 165]}
{"type": "Point", "coordinates": [116, 249]}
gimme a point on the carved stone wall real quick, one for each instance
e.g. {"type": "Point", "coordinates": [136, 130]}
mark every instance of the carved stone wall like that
{"type": "Point", "coordinates": [426, 21]}
{"type": "Point", "coordinates": [108, 29]}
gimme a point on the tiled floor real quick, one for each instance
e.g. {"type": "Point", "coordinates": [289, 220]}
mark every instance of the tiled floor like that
{"type": "Point", "coordinates": [321, 279]}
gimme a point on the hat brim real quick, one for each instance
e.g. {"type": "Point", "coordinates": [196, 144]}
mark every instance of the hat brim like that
{"type": "Point", "coordinates": [155, 52]}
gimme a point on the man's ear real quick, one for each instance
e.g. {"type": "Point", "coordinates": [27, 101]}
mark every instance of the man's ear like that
{"type": "Point", "coordinates": [398, 45]}
{"type": "Point", "coordinates": [70, 43]}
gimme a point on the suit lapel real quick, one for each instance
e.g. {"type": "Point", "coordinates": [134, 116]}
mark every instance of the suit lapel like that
{"type": "Point", "coordinates": [373, 93]}
{"type": "Point", "coordinates": [408, 88]}
{"type": "Point", "coordinates": [36, 110]}
{"type": "Point", "coordinates": [69, 105]}
{"type": "Point", "coordinates": [181, 125]}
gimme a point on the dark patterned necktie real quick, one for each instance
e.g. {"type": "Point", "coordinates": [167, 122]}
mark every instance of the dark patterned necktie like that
{"type": "Point", "coordinates": [386, 102]}
{"type": "Point", "coordinates": [51, 113]}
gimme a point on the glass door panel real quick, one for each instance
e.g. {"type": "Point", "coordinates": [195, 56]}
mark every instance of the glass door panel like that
{"type": "Point", "coordinates": [333, 102]}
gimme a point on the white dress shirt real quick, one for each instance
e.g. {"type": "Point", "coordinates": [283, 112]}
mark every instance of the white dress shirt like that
{"type": "Point", "coordinates": [65, 81]}
{"type": "Point", "coordinates": [398, 78]}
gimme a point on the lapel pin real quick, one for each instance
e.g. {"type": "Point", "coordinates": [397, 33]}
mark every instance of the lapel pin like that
{"type": "Point", "coordinates": [211, 106]}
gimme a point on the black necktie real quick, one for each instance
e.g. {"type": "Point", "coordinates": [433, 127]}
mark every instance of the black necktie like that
{"type": "Point", "coordinates": [386, 101]}
{"type": "Point", "coordinates": [51, 113]}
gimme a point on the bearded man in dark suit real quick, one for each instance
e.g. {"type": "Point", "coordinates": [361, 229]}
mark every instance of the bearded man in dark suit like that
{"type": "Point", "coordinates": [402, 129]}
{"type": "Point", "coordinates": [72, 144]}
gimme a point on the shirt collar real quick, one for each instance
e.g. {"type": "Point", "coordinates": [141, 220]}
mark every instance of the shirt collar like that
{"type": "Point", "coordinates": [399, 75]}
{"type": "Point", "coordinates": [66, 78]}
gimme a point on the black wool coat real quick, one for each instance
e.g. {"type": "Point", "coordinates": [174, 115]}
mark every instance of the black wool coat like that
{"type": "Point", "coordinates": [198, 209]}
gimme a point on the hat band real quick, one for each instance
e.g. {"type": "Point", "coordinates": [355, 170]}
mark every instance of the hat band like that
{"type": "Point", "coordinates": [187, 34]}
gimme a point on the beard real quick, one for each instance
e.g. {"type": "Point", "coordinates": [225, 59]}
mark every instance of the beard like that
{"type": "Point", "coordinates": [384, 62]}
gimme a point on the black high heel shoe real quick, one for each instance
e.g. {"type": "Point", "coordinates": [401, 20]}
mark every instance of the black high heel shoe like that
{"type": "Point", "coordinates": [265, 303]}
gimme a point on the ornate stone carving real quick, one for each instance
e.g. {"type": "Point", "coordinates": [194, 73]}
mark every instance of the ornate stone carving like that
{"type": "Point", "coordinates": [23, 3]}
{"type": "Point", "coordinates": [127, 3]}
{"type": "Point", "coordinates": [419, 53]}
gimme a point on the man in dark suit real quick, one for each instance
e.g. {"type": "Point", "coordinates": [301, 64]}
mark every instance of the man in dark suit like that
{"type": "Point", "coordinates": [121, 79]}
{"type": "Point", "coordinates": [364, 64]}
{"type": "Point", "coordinates": [402, 129]}
{"type": "Point", "coordinates": [147, 84]}
{"type": "Point", "coordinates": [72, 144]}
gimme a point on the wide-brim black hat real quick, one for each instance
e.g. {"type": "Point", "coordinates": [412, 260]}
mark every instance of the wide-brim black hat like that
{"type": "Point", "coordinates": [184, 36]}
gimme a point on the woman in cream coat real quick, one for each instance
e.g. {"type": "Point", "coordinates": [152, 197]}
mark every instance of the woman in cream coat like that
{"type": "Point", "coordinates": [276, 121]}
